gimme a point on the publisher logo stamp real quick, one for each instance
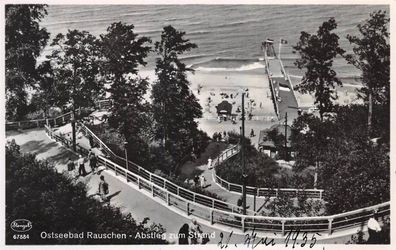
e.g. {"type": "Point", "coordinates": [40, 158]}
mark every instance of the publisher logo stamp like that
{"type": "Point", "coordinates": [21, 225]}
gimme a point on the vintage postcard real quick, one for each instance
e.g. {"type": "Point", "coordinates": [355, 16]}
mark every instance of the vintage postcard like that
{"type": "Point", "coordinates": [208, 124]}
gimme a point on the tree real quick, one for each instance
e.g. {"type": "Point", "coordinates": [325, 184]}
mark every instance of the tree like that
{"type": "Point", "coordinates": [372, 57]}
{"type": "Point", "coordinates": [123, 51]}
{"type": "Point", "coordinates": [309, 139]}
{"type": "Point", "coordinates": [47, 94]}
{"type": "Point", "coordinates": [54, 202]}
{"type": "Point", "coordinates": [317, 54]}
{"type": "Point", "coordinates": [362, 169]}
{"type": "Point", "coordinates": [75, 61]}
{"type": "Point", "coordinates": [24, 41]}
{"type": "Point", "coordinates": [174, 105]}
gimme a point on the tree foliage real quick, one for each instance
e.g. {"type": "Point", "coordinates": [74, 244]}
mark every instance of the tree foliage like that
{"type": "Point", "coordinates": [347, 161]}
{"type": "Point", "coordinates": [175, 107]}
{"type": "Point", "coordinates": [362, 169]}
{"type": "Point", "coordinates": [372, 57]}
{"type": "Point", "coordinates": [317, 54]}
{"type": "Point", "coordinates": [24, 40]}
{"type": "Point", "coordinates": [75, 61]}
{"type": "Point", "coordinates": [123, 51]}
{"type": "Point", "coordinates": [53, 203]}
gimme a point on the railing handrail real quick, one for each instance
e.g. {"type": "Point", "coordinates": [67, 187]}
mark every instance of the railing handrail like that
{"type": "Point", "coordinates": [42, 119]}
{"type": "Point", "coordinates": [325, 224]}
{"type": "Point", "coordinates": [236, 147]}
{"type": "Point", "coordinates": [259, 216]}
{"type": "Point", "coordinates": [140, 168]}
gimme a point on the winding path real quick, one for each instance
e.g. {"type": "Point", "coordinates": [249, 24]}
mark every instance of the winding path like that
{"type": "Point", "coordinates": [138, 202]}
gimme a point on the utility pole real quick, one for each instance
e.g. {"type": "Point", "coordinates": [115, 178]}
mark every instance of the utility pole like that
{"type": "Point", "coordinates": [243, 154]}
{"type": "Point", "coordinates": [286, 154]}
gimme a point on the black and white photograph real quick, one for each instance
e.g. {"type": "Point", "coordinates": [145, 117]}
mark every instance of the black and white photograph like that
{"type": "Point", "coordinates": [225, 125]}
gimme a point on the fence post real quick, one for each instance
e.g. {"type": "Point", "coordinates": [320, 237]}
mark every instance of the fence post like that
{"type": "Point", "coordinates": [152, 190]}
{"type": "Point", "coordinates": [229, 186]}
{"type": "Point", "coordinates": [193, 197]}
{"type": "Point", "coordinates": [243, 224]}
{"type": "Point", "coordinates": [320, 194]}
{"type": "Point", "coordinates": [126, 175]}
{"type": "Point", "coordinates": [19, 125]}
{"type": "Point", "coordinates": [330, 225]}
{"type": "Point", "coordinates": [106, 165]}
{"type": "Point", "coordinates": [63, 119]}
{"type": "Point", "coordinates": [38, 124]}
{"type": "Point", "coordinates": [177, 191]}
{"type": "Point", "coordinates": [138, 182]}
{"type": "Point", "coordinates": [213, 203]}
{"type": "Point", "coordinates": [211, 217]}
{"type": "Point", "coordinates": [168, 198]}
{"type": "Point", "coordinates": [188, 208]}
{"type": "Point", "coordinates": [283, 227]}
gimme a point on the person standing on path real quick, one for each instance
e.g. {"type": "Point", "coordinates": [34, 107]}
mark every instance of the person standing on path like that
{"type": "Point", "coordinates": [81, 166]}
{"type": "Point", "coordinates": [184, 234]}
{"type": "Point", "coordinates": [70, 165]}
{"type": "Point", "coordinates": [209, 163]}
{"type": "Point", "coordinates": [202, 181]}
{"type": "Point", "coordinates": [374, 229]}
{"type": "Point", "coordinates": [103, 189]}
{"type": "Point", "coordinates": [92, 163]}
{"type": "Point", "coordinates": [195, 232]}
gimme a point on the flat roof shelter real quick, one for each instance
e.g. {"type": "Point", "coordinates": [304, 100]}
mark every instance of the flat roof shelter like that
{"type": "Point", "coordinates": [266, 144]}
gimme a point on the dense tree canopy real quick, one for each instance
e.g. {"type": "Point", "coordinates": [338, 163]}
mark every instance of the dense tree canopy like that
{"type": "Point", "coordinates": [174, 105]}
{"type": "Point", "coordinates": [372, 57]}
{"type": "Point", "coordinates": [123, 51]}
{"type": "Point", "coordinates": [54, 203]}
{"type": "Point", "coordinates": [24, 41]}
{"type": "Point", "coordinates": [75, 62]}
{"type": "Point", "coordinates": [317, 54]}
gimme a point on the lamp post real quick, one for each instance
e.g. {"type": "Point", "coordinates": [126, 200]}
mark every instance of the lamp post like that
{"type": "Point", "coordinates": [73, 123]}
{"type": "Point", "coordinates": [286, 153]}
{"type": "Point", "coordinates": [126, 159]}
{"type": "Point", "coordinates": [244, 175]}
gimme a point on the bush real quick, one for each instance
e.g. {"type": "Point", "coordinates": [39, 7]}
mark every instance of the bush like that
{"type": "Point", "coordinates": [35, 191]}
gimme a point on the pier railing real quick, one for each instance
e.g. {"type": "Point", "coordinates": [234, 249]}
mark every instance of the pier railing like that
{"type": "Point", "coordinates": [209, 209]}
{"type": "Point", "coordinates": [257, 191]}
{"type": "Point", "coordinates": [276, 108]}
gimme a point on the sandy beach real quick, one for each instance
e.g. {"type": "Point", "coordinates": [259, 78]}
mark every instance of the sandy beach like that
{"type": "Point", "coordinates": [213, 87]}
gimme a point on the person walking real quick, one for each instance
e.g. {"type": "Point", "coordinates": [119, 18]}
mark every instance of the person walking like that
{"type": "Point", "coordinates": [103, 189]}
{"type": "Point", "coordinates": [202, 181]}
{"type": "Point", "coordinates": [70, 165]}
{"type": "Point", "coordinates": [184, 234]}
{"type": "Point", "coordinates": [374, 229]}
{"type": "Point", "coordinates": [92, 163]}
{"type": "Point", "coordinates": [209, 163]}
{"type": "Point", "coordinates": [81, 166]}
{"type": "Point", "coordinates": [195, 232]}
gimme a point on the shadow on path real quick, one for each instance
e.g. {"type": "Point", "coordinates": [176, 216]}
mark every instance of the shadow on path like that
{"type": "Point", "coordinates": [38, 147]}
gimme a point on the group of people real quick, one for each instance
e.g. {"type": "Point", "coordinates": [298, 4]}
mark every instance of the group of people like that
{"type": "Point", "coordinates": [93, 160]}
{"type": "Point", "coordinates": [103, 189]}
{"type": "Point", "coordinates": [200, 181]}
{"type": "Point", "coordinates": [192, 234]}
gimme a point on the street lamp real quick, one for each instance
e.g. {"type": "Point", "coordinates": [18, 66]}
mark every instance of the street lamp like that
{"type": "Point", "coordinates": [73, 123]}
{"type": "Point", "coordinates": [126, 159]}
{"type": "Point", "coordinates": [244, 175]}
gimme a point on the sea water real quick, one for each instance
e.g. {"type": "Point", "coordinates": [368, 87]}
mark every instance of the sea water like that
{"type": "Point", "coordinates": [229, 37]}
